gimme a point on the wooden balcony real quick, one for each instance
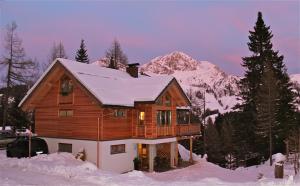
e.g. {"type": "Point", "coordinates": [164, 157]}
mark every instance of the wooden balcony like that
{"type": "Point", "coordinates": [188, 129]}
{"type": "Point", "coordinates": [143, 131]}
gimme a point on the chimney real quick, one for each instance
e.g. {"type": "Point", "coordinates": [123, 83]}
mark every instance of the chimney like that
{"type": "Point", "coordinates": [133, 69]}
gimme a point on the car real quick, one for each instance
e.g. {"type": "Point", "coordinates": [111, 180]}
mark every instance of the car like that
{"type": "Point", "coordinates": [6, 137]}
{"type": "Point", "coordinates": [20, 147]}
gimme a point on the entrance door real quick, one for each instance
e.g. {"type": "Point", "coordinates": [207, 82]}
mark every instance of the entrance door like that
{"type": "Point", "coordinates": [143, 151]}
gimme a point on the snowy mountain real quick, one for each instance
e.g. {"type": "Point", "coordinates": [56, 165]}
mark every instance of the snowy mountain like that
{"type": "Point", "coordinates": [196, 77]}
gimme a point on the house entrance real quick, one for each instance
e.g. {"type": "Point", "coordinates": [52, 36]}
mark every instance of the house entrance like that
{"type": "Point", "coordinates": [143, 151]}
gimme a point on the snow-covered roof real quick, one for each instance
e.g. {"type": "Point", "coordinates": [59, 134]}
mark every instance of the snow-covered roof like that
{"type": "Point", "coordinates": [112, 87]}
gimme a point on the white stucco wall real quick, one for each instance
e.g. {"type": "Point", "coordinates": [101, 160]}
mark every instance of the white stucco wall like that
{"type": "Point", "coordinates": [122, 162]}
{"type": "Point", "coordinates": [89, 146]}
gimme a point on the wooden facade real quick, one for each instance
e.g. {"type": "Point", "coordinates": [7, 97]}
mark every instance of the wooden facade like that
{"type": "Point", "coordinates": [79, 115]}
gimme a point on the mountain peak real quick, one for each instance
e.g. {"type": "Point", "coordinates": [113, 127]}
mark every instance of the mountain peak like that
{"type": "Point", "coordinates": [174, 61]}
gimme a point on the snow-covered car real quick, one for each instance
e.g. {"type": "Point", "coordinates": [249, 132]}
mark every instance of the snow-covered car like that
{"type": "Point", "coordinates": [20, 147]}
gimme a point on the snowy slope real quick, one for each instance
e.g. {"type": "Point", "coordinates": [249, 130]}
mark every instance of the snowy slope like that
{"type": "Point", "coordinates": [196, 77]}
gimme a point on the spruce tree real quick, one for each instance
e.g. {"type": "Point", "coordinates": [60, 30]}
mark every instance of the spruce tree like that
{"type": "Point", "coordinates": [261, 47]}
{"type": "Point", "coordinates": [267, 105]}
{"type": "Point", "coordinates": [81, 55]}
{"type": "Point", "coordinates": [213, 145]}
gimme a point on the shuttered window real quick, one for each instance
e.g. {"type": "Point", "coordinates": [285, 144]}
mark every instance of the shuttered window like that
{"type": "Point", "coordinates": [66, 113]}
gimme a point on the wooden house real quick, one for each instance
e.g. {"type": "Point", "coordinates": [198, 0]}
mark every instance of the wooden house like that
{"type": "Point", "coordinates": [113, 115]}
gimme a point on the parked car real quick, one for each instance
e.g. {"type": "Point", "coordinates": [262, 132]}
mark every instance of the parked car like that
{"type": "Point", "coordinates": [6, 136]}
{"type": "Point", "coordinates": [20, 147]}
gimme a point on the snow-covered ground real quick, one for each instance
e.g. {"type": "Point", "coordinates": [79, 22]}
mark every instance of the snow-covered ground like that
{"type": "Point", "coordinates": [64, 169]}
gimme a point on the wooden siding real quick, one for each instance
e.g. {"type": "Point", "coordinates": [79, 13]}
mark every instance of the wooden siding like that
{"type": "Point", "coordinates": [82, 125]}
{"type": "Point", "coordinates": [90, 120]}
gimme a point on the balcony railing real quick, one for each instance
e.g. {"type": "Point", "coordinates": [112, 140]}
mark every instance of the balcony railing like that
{"type": "Point", "coordinates": [144, 131]}
{"type": "Point", "coordinates": [188, 129]}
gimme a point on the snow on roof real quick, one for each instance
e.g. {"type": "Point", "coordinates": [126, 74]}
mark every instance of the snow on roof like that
{"type": "Point", "coordinates": [183, 108]}
{"type": "Point", "coordinates": [113, 87]}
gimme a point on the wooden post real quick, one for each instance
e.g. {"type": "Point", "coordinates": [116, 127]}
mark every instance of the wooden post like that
{"type": "Point", "coordinates": [102, 125]}
{"type": "Point", "coordinates": [29, 155]}
{"type": "Point", "coordinates": [191, 150]}
{"type": "Point", "coordinates": [98, 136]}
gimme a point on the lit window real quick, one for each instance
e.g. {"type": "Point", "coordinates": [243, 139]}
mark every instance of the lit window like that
{"type": "Point", "coordinates": [66, 113]}
{"type": "Point", "coordinates": [119, 113]}
{"type": "Point", "coordinates": [117, 149]}
{"type": "Point", "coordinates": [141, 118]}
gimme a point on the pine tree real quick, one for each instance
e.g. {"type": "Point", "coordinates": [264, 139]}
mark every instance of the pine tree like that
{"type": "Point", "coordinates": [267, 99]}
{"type": "Point", "coordinates": [213, 145]}
{"type": "Point", "coordinates": [262, 51]}
{"type": "Point", "coordinates": [19, 69]}
{"type": "Point", "coordinates": [81, 55]}
{"type": "Point", "coordinates": [117, 54]}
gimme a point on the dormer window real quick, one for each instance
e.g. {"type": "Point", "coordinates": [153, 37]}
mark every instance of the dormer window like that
{"type": "Point", "coordinates": [66, 86]}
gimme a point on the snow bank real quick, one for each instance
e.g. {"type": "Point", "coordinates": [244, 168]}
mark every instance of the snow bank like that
{"type": "Point", "coordinates": [185, 154]}
{"type": "Point", "coordinates": [278, 157]}
{"type": "Point", "coordinates": [64, 169]}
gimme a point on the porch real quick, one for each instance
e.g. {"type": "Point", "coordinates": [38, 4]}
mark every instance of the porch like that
{"type": "Point", "coordinates": [157, 157]}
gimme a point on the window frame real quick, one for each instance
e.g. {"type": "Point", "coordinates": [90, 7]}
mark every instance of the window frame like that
{"type": "Point", "coordinates": [142, 120]}
{"type": "Point", "coordinates": [68, 145]}
{"type": "Point", "coordinates": [164, 117]}
{"type": "Point", "coordinates": [66, 86]}
{"type": "Point", "coordinates": [66, 113]}
{"type": "Point", "coordinates": [117, 149]}
{"type": "Point", "coordinates": [117, 111]}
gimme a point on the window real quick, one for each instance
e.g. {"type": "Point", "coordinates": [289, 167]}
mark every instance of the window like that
{"type": "Point", "coordinates": [117, 149]}
{"type": "Point", "coordinates": [168, 100]}
{"type": "Point", "coordinates": [66, 86]}
{"type": "Point", "coordinates": [163, 117]}
{"type": "Point", "coordinates": [141, 118]}
{"type": "Point", "coordinates": [119, 113]}
{"type": "Point", "coordinates": [183, 117]}
{"type": "Point", "coordinates": [66, 113]}
{"type": "Point", "coordinates": [64, 147]}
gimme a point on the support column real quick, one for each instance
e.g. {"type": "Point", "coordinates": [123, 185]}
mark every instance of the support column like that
{"type": "Point", "coordinates": [191, 150]}
{"type": "Point", "coordinates": [152, 154]}
{"type": "Point", "coordinates": [173, 154]}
